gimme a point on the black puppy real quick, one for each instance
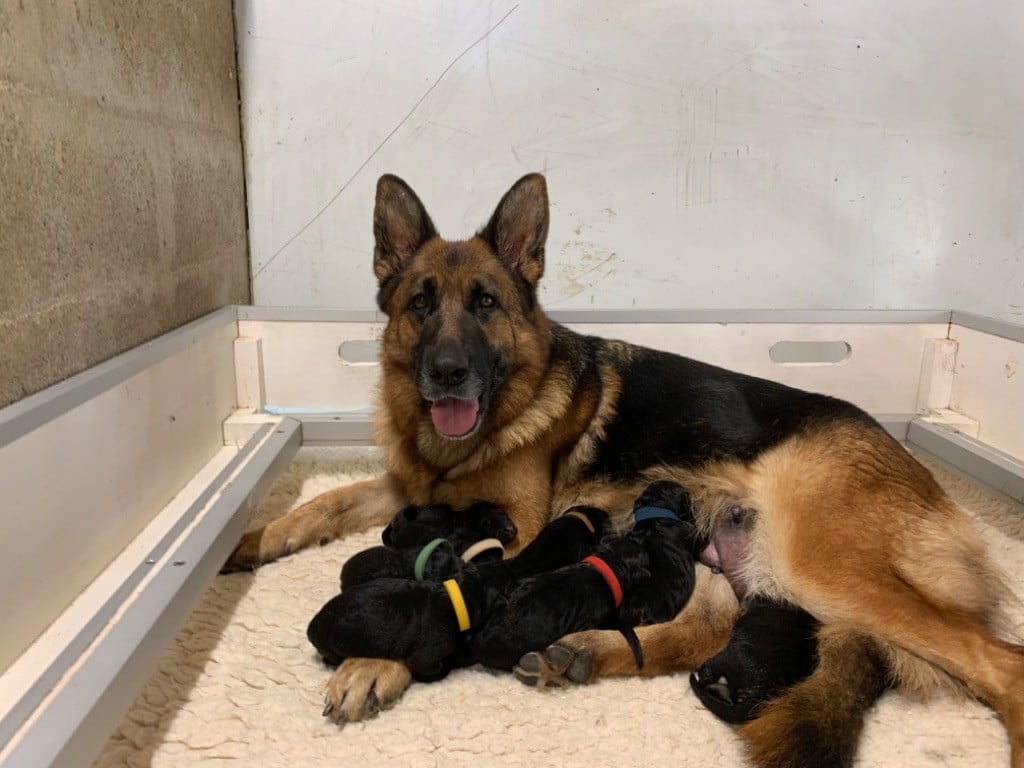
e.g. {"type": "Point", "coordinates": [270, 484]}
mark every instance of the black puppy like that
{"type": "Point", "coordinates": [427, 624]}
{"type": "Point", "coordinates": [772, 646]}
{"type": "Point", "coordinates": [643, 577]}
{"type": "Point", "coordinates": [415, 526]}
{"type": "Point", "coordinates": [434, 538]}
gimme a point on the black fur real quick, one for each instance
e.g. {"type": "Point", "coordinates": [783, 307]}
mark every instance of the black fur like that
{"type": "Point", "coordinates": [772, 646]}
{"type": "Point", "coordinates": [654, 563]}
{"type": "Point", "coordinates": [415, 621]}
{"type": "Point", "coordinates": [414, 527]}
{"type": "Point", "coordinates": [676, 411]}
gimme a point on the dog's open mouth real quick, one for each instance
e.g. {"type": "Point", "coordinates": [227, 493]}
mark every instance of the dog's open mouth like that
{"type": "Point", "coordinates": [455, 417]}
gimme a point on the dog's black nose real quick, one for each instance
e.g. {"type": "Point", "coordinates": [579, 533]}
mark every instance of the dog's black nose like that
{"type": "Point", "coordinates": [449, 369]}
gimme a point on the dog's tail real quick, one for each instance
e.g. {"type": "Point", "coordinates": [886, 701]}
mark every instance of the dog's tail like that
{"type": "Point", "coordinates": [634, 644]}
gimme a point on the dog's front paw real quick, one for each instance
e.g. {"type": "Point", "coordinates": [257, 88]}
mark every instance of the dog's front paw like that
{"type": "Point", "coordinates": [360, 688]}
{"type": "Point", "coordinates": [264, 545]}
{"type": "Point", "coordinates": [559, 665]}
{"type": "Point", "coordinates": [246, 556]}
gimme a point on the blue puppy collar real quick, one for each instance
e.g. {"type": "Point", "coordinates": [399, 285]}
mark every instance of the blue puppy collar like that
{"type": "Point", "coordinates": [653, 513]}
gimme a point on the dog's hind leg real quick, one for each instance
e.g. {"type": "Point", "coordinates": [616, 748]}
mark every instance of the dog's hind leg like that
{"type": "Point", "coordinates": [867, 539]}
{"type": "Point", "coordinates": [699, 632]}
{"type": "Point", "coordinates": [816, 723]}
{"type": "Point", "coordinates": [345, 510]}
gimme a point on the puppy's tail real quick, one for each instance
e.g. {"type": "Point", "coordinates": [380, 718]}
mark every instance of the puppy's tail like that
{"type": "Point", "coordinates": [634, 644]}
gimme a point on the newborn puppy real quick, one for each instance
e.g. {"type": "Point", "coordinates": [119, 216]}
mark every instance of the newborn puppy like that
{"type": "Point", "coordinates": [415, 526]}
{"type": "Point", "coordinates": [772, 646]}
{"type": "Point", "coordinates": [426, 623]}
{"type": "Point", "coordinates": [448, 533]}
{"type": "Point", "coordinates": [642, 577]}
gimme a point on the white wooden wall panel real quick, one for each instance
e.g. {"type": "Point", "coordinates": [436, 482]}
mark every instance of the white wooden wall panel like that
{"type": "Point", "coordinates": [989, 387]}
{"type": "Point", "coordinates": [735, 154]}
{"type": "Point", "coordinates": [303, 370]}
{"type": "Point", "coordinates": [78, 488]}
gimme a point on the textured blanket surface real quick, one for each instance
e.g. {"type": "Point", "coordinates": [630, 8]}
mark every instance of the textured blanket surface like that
{"type": "Point", "coordinates": [241, 685]}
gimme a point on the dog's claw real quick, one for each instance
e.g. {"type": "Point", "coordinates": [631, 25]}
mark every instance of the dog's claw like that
{"type": "Point", "coordinates": [371, 706]}
{"type": "Point", "coordinates": [328, 708]}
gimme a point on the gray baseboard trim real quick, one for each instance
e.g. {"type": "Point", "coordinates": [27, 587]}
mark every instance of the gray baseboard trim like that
{"type": "Point", "coordinates": [989, 325]}
{"type": "Point", "coordinates": [896, 424]}
{"type": "Point", "coordinates": [569, 316]}
{"type": "Point", "coordinates": [337, 428]}
{"type": "Point", "coordinates": [988, 465]}
{"type": "Point", "coordinates": [341, 428]}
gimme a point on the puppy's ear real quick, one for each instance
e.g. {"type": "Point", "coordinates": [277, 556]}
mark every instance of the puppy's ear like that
{"type": "Point", "coordinates": [400, 227]}
{"type": "Point", "coordinates": [519, 227]}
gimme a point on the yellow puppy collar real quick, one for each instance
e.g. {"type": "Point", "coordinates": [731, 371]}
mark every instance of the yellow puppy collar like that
{"type": "Point", "coordinates": [458, 603]}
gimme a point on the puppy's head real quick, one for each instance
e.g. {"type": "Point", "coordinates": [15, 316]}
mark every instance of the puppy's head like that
{"type": "Point", "coordinates": [483, 520]}
{"type": "Point", "coordinates": [415, 526]}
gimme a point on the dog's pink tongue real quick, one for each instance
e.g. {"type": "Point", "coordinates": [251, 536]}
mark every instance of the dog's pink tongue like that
{"type": "Point", "coordinates": [454, 417]}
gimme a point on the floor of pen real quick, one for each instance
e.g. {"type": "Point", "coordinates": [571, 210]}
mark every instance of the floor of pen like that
{"type": "Point", "coordinates": [241, 683]}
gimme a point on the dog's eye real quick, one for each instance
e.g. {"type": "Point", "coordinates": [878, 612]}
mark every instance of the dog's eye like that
{"type": "Point", "coordinates": [418, 303]}
{"type": "Point", "coordinates": [486, 301]}
{"type": "Point", "coordinates": [737, 515]}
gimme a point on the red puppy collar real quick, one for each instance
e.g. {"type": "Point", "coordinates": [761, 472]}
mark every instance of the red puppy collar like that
{"type": "Point", "coordinates": [609, 576]}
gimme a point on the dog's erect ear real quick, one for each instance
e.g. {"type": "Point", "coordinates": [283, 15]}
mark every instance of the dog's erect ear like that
{"type": "Point", "coordinates": [400, 226]}
{"type": "Point", "coordinates": [519, 227]}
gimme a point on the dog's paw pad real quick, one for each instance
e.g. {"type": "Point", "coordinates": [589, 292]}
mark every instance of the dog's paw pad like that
{"type": "Point", "coordinates": [556, 666]}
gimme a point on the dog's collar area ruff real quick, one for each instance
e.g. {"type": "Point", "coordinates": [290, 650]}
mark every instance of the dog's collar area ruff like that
{"type": "Point", "coordinates": [584, 518]}
{"type": "Point", "coordinates": [481, 546]}
{"type": "Point", "coordinates": [424, 555]}
{"type": "Point", "coordinates": [458, 603]}
{"type": "Point", "coordinates": [609, 576]}
{"type": "Point", "coordinates": [654, 513]}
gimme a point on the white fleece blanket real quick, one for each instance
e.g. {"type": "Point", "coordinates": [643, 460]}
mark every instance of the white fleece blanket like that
{"type": "Point", "coordinates": [241, 685]}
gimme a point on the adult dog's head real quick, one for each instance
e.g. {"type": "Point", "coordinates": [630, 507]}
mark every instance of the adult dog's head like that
{"type": "Point", "coordinates": [466, 343]}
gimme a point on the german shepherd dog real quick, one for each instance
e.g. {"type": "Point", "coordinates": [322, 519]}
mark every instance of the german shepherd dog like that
{"type": "Point", "coordinates": [482, 396]}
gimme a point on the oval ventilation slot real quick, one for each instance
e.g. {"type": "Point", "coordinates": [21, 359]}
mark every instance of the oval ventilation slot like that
{"type": "Point", "coordinates": [363, 352]}
{"type": "Point", "coordinates": [810, 352]}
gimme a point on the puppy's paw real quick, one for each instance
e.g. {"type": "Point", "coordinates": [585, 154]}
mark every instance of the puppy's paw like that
{"type": "Point", "coordinates": [558, 665]}
{"type": "Point", "coordinates": [361, 688]}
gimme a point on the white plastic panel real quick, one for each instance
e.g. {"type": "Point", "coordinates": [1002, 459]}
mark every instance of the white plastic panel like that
{"type": "Point", "coordinates": [78, 488]}
{"type": "Point", "coordinates": [734, 154]}
{"type": "Point", "coordinates": [989, 387]}
{"type": "Point", "coordinates": [881, 374]}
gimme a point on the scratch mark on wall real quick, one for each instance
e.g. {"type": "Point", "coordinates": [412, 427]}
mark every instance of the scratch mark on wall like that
{"type": "Point", "coordinates": [387, 138]}
{"type": "Point", "coordinates": [592, 263]}
{"type": "Point", "coordinates": [487, 59]}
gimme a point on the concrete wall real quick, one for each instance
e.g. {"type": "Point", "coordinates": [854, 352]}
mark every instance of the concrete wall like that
{"type": "Point", "coordinates": [727, 154]}
{"type": "Point", "coordinates": [121, 186]}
